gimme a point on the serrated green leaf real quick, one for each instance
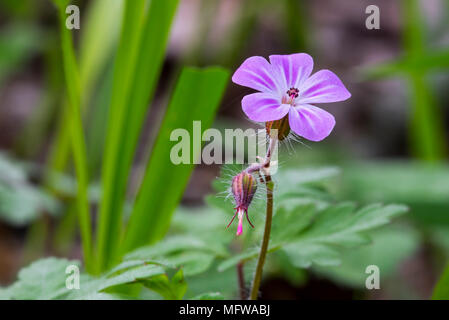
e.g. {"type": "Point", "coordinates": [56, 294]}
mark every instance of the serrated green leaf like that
{"type": "Point", "coordinates": [191, 262]}
{"type": "Point", "coordinates": [46, 279]}
{"type": "Point", "coordinates": [132, 275]}
{"type": "Point", "coordinates": [171, 289]}
{"type": "Point", "coordinates": [194, 255]}
{"type": "Point", "coordinates": [320, 233]}
{"type": "Point", "coordinates": [387, 249]}
{"type": "Point", "coordinates": [175, 244]}
{"type": "Point", "coordinates": [42, 280]}
{"type": "Point", "coordinates": [289, 223]}
{"type": "Point", "coordinates": [339, 225]}
{"type": "Point", "coordinates": [422, 187]}
{"type": "Point", "coordinates": [208, 296]}
{"type": "Point", "coordinates": [302, 255]}
{"type": "Point", "coordinates": [241, 257]}
{"type": "Point", "coordinates": [22, 202]}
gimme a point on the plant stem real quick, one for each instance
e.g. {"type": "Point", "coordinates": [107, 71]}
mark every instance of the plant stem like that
{"type": "Point", "coordinates": [266, 238]}
{"type": "Point", "coordinates": [241, 280]}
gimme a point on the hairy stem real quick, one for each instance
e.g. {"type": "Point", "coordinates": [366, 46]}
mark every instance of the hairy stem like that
{"type": "Point", "coordinates": [241, 280]}
{"type": "Point", "coordinates": [266, 238]}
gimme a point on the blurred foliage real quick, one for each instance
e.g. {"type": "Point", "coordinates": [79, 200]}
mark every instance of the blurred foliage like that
{"type": "Point", "coordinates": [22, 202]}
{"type": "Point", "coordinates": [424, 188]}
{"type": "Point", "coordinates": [379, 252]}
{"type": "Point", "coordinates": [18, 42]}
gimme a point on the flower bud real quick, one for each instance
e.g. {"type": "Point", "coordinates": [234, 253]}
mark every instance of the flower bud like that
{"type": "Point", "coordinates": [243, 189]}
{"type": "Point", "coordinates": [282, 126]}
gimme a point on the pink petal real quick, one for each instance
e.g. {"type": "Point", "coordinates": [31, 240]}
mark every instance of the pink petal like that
{"type": "Point", "coordinates": [240, 227]}
{"type": "Point", "coordinates": [264, 107]}
{"type": "Point", "coordinates": [323, 86]}
{"type": "Point", "coordinates": [311, 122]}
{"type": "Point", "coordinates": [293, 69]}
{"type": "Point", "coordinates": [256, 73]}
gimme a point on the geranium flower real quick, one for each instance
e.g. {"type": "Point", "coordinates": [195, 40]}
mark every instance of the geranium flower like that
{"type": "Point", "coordinates": [287, 88]}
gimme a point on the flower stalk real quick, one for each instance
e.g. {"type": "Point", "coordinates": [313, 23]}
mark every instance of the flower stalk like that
{"type": "Point", "coordinates": [265, 240]}
{"type": "Point", "coordinates": [263, 168]}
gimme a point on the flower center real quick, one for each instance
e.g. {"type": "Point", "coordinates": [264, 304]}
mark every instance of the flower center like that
{"type": "Point", "coordinates": [293, 93]}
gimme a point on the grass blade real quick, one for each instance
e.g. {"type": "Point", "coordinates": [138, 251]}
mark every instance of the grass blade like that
{"type": "Point", "coordinates": [138, 66]}
{"type": "Point", "coordinates": [426, 128]}
{"type": "Point", "coordinates": [99, 34]}
{"type": "Point", "coordinates": [77, 135]}
{"type": "Point", "coordinates": [441, 290]}
{"type": "Point", "coordinates": [199, 92]}
{"type": "Point", "coordinates": [124, 66]}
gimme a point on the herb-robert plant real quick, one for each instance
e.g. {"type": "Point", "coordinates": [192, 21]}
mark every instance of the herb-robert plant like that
{"type": "Point", "coordinates": [287, 92]}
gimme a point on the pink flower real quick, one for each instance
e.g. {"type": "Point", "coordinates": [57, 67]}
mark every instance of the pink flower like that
{"type": "Point", "coordinates": [287, 88]}
{"type": "Point", "coordinates": [243, 188]}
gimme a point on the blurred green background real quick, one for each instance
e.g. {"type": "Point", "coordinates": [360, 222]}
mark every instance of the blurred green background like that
{"type": "Point", "coordinates": [390, 141]}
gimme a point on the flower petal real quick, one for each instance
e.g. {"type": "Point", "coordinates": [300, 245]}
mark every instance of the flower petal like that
{"type": "Point", "coordinates": [264, 107]}
{"type": "Point", "coordinates": [311, 122]}
{"type": "Point", "coordinates": [293, 69]}
{"type": "Point", "coordinates": [256, 73]}
{"type": "Point", "coordinates": [323, 86]}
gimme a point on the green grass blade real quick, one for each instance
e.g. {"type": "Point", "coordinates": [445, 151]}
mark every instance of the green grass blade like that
{"type": "Point", "coordinates": [426, 128]}
{"type": "Point", "coordinates": [99, 34]}
{"type": "Point", "coordinates": [150, 60]}
{"type": "Point", "coordinates": [441, 290]}
{"type": "Point", "coordinates": [196, 97]}
{"type": "Point", "coordinates": [430, 61]}
{"type": "Point", "coordinates": [77, 136]}
{"type": "Point", "coordinates": [124, 66]}
{"type": "Point", "coordinates": [127, 121]}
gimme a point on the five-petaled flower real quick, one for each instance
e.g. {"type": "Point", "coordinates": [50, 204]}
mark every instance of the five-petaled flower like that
{"type": "Point", "coordinates": [287, 89]}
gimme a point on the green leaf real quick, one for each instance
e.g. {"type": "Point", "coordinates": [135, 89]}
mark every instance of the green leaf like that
{"type": "Point", "coordinates": [200, 92]}
{"type": "Point", "coordinates": [46, 279]}
{"type": "Point", "coordinates": [42, 280]}
{"type": "Point", "coordinates": [192, 254]}
{"type": "Point", "coordinates": [208, 296]}
{"type": "Point", "coordinates": [138, 63]}
{"type": "Point", "coordinates": [320, 234]}
{"type": "Point", "coordinates": [22, 202]}
{"type": "Point", "coordinates": [72, 82]}
{"type": "Point", "coordinates": [340, 225]}
{"type": "Point", "coordinates": [441, 290]}
{"type": "Point", "coordinates": [429, 61]}
{"type": "Point", "coordinates": [99, 35]}
{"type": "Point", "coordinates": [288, 223]}
{"type": "Point", "coordinates": [171, 289]}
{"type": "Point", "coordinates": [247, 255]}
{"type": "Point", "coordinates": [422, 187]}
{"type": "Point", "coordinates": [175, 244]}
{"type": "Point", "coordinates": [132, 275]}
{"type": "Point", "coordinates": [302, 255]}
{"type": "Point", "coordinates": [380, 252]}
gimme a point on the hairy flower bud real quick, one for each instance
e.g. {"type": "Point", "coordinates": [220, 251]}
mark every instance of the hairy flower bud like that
{"type": "Point", "coordinates": [282, 126]}
{"type": "Point", "coordinates": [243, 188]}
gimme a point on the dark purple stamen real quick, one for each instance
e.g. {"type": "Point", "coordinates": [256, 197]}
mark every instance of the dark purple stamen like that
{"type": "Point", "coordinates": [293, 93]}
